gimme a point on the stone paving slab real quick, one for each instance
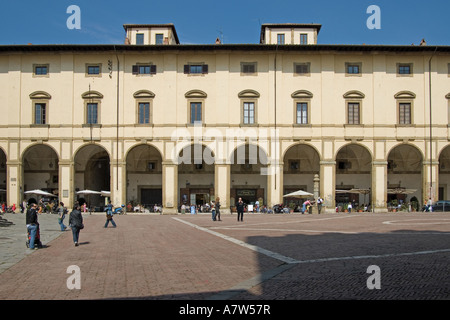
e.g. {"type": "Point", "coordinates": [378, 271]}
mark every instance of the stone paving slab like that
{"type": "Point", "coordinates": [190, 257]}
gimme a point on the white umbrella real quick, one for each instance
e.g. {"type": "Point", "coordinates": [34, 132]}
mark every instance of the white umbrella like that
{"type": "Point", "coordinates": [40, 193]}
{"type": "Point", "coordinates": [298, 194]}
{"type": "Point", "coordinates": [105, 193]}
{"type": "Point", "coordinates": [88, 192]}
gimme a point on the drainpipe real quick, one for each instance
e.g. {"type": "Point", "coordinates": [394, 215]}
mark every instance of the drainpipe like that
{"type": "Point", "coordinates": [431, 130]}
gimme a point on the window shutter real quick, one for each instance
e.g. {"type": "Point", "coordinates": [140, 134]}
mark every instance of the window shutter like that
{"type": "Point", "coordinates": [205, 69]}
{"type": "Point", "coordinates": [186, 69]}
{"type": "Point", "coordinates": [153, 69]}
{"type": "Point", "coordinates": [135, 69]}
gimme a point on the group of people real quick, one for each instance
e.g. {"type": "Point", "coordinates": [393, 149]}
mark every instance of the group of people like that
{"type": "Point", "coordinates": [75, 221]}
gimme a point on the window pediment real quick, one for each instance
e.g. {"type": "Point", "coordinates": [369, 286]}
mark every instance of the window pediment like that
{"type": "Point", "coordinates": [195, 94]}
{"type": "Point", "coordinates": [143, 94]}
{"type": "Point", "coordinates": [354, 94]}
{"type": "Point", "coordinates": [302, 94]}
{"type": "Point", "coordinates": [248, 94]}
{"type": "Point", "coordinates": [92, 95]}
{"type": "Point", "coordinates": [40, 95]}
{"type": "Point", "coordinates": [405, 95]}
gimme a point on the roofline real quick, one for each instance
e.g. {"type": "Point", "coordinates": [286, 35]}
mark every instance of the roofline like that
{"type": "Point", "coordinates": [164, 25]}
{"type": "Point", "coordinates": [222, 47]}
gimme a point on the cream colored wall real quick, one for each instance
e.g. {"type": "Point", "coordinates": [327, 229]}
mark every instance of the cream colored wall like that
{"type": "Point", "coordinates": [327, 82]}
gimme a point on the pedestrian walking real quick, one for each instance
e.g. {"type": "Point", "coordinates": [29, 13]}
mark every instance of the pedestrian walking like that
{"type": "Point", "coordinates": [213, 210]}
{"type": "Point", "coordinates": [31, 220]}
{"type": "Point", "coordinates": [109, 215]}
{"type": "Point", "coordinates": [62, 211]}
{"type": "Point", "coordinates": [218, 209]}
{"type": "Point", "coordinates": [76, 223]}
{"type": "Point", "coordinates": [319, 204]}
{"type": "Point", "coordinates": [240, 210]}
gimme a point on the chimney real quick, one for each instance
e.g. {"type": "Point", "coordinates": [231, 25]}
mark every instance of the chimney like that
{"type": "Point", "coordinates": [218, 41]}
{"type": "Point", "coordinates": [423, 42]}
{"type": "Point", "coordinates": [127, 41]}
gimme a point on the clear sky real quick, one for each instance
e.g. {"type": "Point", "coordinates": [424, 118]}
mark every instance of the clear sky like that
{"type": "Point", "coordinates": [236, 21]}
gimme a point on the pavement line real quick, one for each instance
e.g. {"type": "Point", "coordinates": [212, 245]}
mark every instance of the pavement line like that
{"type": "Point", "coordinates": [286, 230]}
{"type": "Point", "coordinates": [242, 243]}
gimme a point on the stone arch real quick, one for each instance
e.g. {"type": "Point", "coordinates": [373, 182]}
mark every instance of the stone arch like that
{"type": "Point", "coordinates": [144, 176]}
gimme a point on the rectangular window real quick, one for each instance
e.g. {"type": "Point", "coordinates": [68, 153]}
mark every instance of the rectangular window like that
{"type": "Point", "coordinates": [280, 38]}
{"type": "Point", "coordinates": [248, 67]}
{"type": "Point", "coordinates": [39, 113]}
{"type": "Point", "coordinates": [302, 68]}
{"type": "Point", "coordinates": [139, 38]}
{"type": "Point", "coordinates": [303, 38]}
{"type": "Point", "coordinates": [404, 69]}
{"type": "Point", "coordinates": [92, 113]}
{"type": "Point", "coordinates": [159, 38]}
{"type": "Point", "coordinates": [249, 112]}
{"type": "Point", "coordinates": [144, 69]}
{"type": "Point", "coordinates": [404, 113]}
{"type": "Point", "coordinates": [353, 113]}
{"type": "Point", "coordinates": [353, 69]}
{"type": "Point", "coordinates": [144, 113]}
{"type": "Point", "coordinates": [302, 113]}
{"type": "Point", "coordinates": [195, 68]}
{"type": "Point", "coordinates": [41, 70]}
{"type": "Point", "coordinates": [196, 112]}
{"type": "Point", "coordinates": [93, 70]}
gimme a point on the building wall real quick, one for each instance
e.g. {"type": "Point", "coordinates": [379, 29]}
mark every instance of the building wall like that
{"type": "Point", "coordinates": [327, 131]}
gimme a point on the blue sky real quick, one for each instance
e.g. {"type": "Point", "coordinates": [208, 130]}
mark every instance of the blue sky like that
{"type": "Point", "coordinates": [238, 21]}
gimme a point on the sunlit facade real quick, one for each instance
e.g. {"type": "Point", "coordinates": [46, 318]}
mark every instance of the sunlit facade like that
{"type": "Point", "coordinates": [154, 121]}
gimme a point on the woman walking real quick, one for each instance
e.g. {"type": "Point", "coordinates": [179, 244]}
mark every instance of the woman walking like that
{"type": "Point", "coordinates": [76, 223]}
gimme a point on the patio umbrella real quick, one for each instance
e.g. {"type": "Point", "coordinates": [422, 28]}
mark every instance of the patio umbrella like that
{"type": "Point", "coordinates": [401, 191]}
{"type": "Point", "coordinates": [298, 194]}
{"type": "Point", "coordinates": [88, 192]}
{"type": "Point", "coordinates": [40, 193]}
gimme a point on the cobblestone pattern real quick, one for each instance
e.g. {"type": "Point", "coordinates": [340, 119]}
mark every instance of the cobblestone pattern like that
{"type": "Point", "coordinates": [157, 257]}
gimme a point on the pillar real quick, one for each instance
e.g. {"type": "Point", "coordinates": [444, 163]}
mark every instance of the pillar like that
{"type": "Point", "coordinates": [328, 184]}
{"type": "Point", "coordinates": [379, 186]}
{"type": "Point", "coordinates": [222, 186]}
{"type": "Point", "coordinates": [170, 187]}
{"type": "Point", "coordinates": [430, 183]}
{"type": "Point", "coordinates": [274, 174]}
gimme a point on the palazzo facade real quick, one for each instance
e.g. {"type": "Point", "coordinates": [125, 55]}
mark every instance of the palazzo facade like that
{"type": "Point", "coordinates": [154, 121]}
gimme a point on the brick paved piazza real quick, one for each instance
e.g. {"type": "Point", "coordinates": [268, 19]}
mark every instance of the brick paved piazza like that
{"type": "Point", "coordinates": [267, 257]}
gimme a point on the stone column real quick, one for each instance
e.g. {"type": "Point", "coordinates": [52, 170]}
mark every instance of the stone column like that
{"type": "Point", "coordinates": [66, 179]}
{"type": "Point", "coordinates": [274, 174]}
{"type": "Point", "coordinates": [14, 183]}
{"type": "Point", "coordinates": [222, 186]}
{"type": "Point", "coordinates": [170, 187]}
{"type": "Point", "coordinates": [328, 184]}
{"type": "Point", "coordinates": [379, 186]}
{"type": "Point", "coordinates": [430, 181]}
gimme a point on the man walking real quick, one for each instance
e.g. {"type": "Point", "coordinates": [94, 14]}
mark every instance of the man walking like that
{"type": "Point", "coordinates": [109, 215]}
{"type": "Point", "coordinates": [32, 224]}
{"type": "Point", "coordinates": [240, 210]}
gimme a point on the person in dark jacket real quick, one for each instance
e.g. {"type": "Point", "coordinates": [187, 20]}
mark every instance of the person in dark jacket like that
{"type": "Point", "coordinates": [76, 223]}
{"type": "Point", "coordinates": [240, 209]}
{"type": "Point", "coordinates": [32, 224]}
